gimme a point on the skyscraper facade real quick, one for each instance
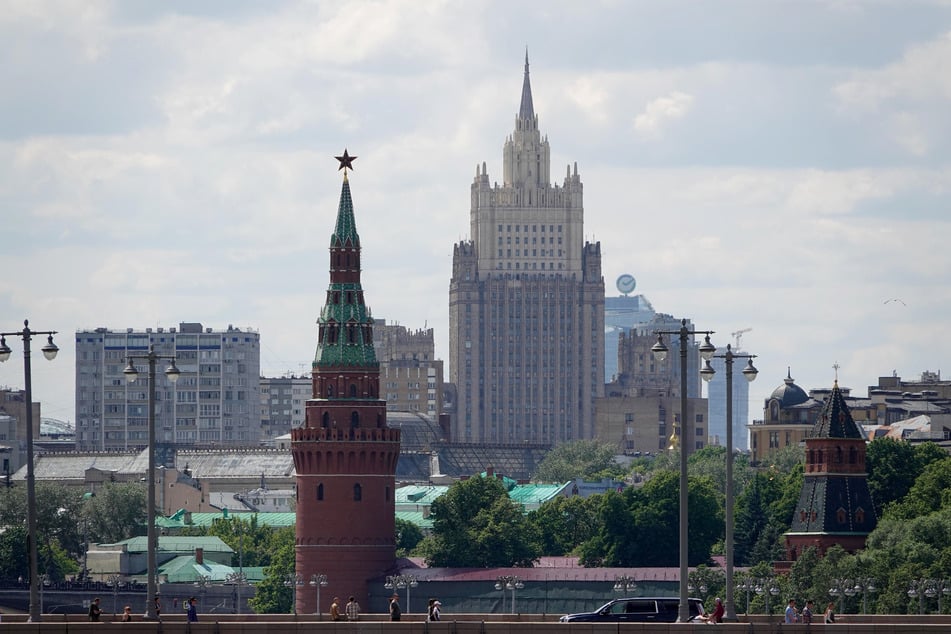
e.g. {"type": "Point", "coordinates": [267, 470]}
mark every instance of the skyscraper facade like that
{"type": "Point", "coordinates": [526, 301]}
{"type": "Point", "coordinates": [214, 402]}
{"type": "Point", "coordinates": [622, 314]}
{"type": "Point", "coordinates": [345, 454]}
{"type": "Point", "coordinates": [716, 395]}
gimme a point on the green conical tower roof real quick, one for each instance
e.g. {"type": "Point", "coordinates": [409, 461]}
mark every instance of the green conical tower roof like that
{"type": "Point", "coordinates": [345, 231]}
{"type": "Point", "coordinates": [345, 326]}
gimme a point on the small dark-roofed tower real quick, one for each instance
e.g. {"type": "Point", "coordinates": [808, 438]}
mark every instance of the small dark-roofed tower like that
{"type": "Point", "coordinates": [345, 454]}
{"type": "Point", "coordinates": [835, 506]}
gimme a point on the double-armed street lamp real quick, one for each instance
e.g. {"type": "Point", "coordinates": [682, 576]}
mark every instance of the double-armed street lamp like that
{"type": "Point", "coordinates": [625, 584]}
{"type": "Point", "coordinates": [116, 582]}
{"type": "Point", "coordinates": [842, 588]}
{"type": "Point", "coordinates": [660, 354]}
{"type": "Point", "coordinates": [49, 351]}
{"type": "Point", "coordinates": [395, 582]}
{"type": "Point", "coordinates": [749, 373]}
{"type": "Point", "coordinates": [318, 581]}
{"type": "Point", "coordinates": [938, 588]}
{"type": "Point", "coordinates": [202, 584]}
{"type": "Point", "coordinates": [866, 585]}
{"type": "Point", "coordinates": [512, 583]}
{"type": "Point", "coordinates": [131, 374]}
{"type": "Point", "coordinates": [237, 580]}
{"type": "Point", "coordinates": [294, 581]}
{"type": "Point", "coordinates": [767, 587]}
{"type": "Point", "coordinates": [748, 584]}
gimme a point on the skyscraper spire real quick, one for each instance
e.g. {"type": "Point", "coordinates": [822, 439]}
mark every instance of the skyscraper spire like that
{"type": "Point", "coordinates": [526, 110]}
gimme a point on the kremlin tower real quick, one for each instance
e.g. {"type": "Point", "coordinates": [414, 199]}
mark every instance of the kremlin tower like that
{"type": "Point", "coordinates": [835, 506]}
{"type": "Point", "coordinates": [345, 455]}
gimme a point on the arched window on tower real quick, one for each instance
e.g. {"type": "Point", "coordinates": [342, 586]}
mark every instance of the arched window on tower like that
{"type": "Point", "coordinates": [325, 420]}
{"type": "Point", "coordinates": [320, 492]}
{"type": "Point", "coordinates": [853, 455]}
{"type": "Point", "coordinates": [330, 391]}
{"type": "Point", "coordinates": [353, 390]}
{"type": "Point", "coordinates": [379, 420]}
{"type": "Point", "coordinates": [840, 516]}
{"type": "Point", "coordinates": [354, 420]}
{"type": "Point", "coordinates": [357, 492]}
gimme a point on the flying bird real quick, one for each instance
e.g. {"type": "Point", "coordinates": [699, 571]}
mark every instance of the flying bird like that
{"type": "Point", "coordinates": [887, 301]}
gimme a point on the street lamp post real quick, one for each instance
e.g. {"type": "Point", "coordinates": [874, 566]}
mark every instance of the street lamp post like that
{"type": "Point", "coordinates": [131, 374]}
{"type": "Point", "coordinates": [767, 587]}
{"type": "Point", "coordinates": [749, 373]}
{"type": "Point", "coordinates": [202, 584]}
{"type": "Point", "coordinates": [625, 584]}
{"type": "Point", "coordinates": [293, 582]}
{"type": "Point", "coordinates": [115, 582]}
{"type": "Point", "coordinates": [49, 351]}
{"type": "Point", "coordinates": [317, 581]}
{"type": "Point", "coordinates": [237, 580]}
{"type": "Point", "coordinates": [660, 353]}
{"type": "Point", "coordinates": [937, 588]}
{"type": "Point", "coordinates": [513, 583]}
{"type": "Point", "coordinates": [866, 585]}
{"type": "Point", "coordinates": [747, 585]}
{"type": "Point", "coordinates": [842, 588]}
{"type": "Point", "coordinates": [44, 579]}
{"type": "Point", "coordinates": [916, 588]}
{"type": "Point", "coordinates": [395, 582]}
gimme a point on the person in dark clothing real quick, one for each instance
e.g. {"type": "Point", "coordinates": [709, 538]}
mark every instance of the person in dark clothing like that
{"type": "Point", "coordinates": [395, 611]}
{"type": "Point", "coordinates": [94, 610]}
{"type": "Point", "coordinates": [192, 611]}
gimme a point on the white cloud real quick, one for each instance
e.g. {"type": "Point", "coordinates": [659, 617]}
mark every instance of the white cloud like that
{"type": "Point", "coordinates": [163, 167]}
{"type": "Point", "coordinates": [659, 112]}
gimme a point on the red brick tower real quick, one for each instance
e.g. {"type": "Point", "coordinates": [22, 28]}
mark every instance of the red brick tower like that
{"type": "Point", "coordinates": [345, 455]}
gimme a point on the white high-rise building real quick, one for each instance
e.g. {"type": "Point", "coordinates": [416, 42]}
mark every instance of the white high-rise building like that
{"type": "Point", "coordinates": [526, 302]}
{"type": "Point", "coordinates": [215, 401]}
{"type": "Point", "coordinates": [716, 396]}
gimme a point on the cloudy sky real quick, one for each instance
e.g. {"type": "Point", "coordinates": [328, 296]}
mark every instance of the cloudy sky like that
{"type": "Point", "coordinates": [780, 166]}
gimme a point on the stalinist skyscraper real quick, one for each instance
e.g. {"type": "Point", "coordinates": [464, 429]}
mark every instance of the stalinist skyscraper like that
{"type": "Point", "coordinates": [526, 302]}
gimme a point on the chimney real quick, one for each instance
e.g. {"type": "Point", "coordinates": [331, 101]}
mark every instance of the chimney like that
{"type": "Point", "coordinates": [200, 556]}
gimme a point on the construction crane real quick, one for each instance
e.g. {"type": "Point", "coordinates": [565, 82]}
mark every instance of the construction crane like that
{"type": "Point", "coordinates": [737, 335]}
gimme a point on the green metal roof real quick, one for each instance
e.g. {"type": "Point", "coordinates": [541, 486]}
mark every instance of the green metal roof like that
{"type": "Point", "coordinates": [417, 518]}
{"type": "Point", "coordinates": [176, 544]}
{"type": "Point", "coordinates": [535, 494]}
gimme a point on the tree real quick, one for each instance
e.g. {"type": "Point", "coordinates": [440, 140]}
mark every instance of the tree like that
{"type": "Point", "coordinates": [930, 492]}
{"type": "Point", "coordinates": [116, 512]}
{"type": "Point", "coordinates": [272, 596]}
{"type": "Point", "coordinates": [586, 459]}
{"type": "Point", "coordinates": [59, 538]}
{"type": "Point", "coordinates": [564, 523]}
{"type": "Point", "coordinates": [894, 465]}
{"type": "Point", "coordinates": [637, 526]}
{"type": "Point", "coordinates": [408, 536]}
{"type": "Point", "coordinates": [250, 540]}
{"type": "Point", "coordinates": [13, 553]}
{"type": "Point", "coordinates": [475, 524]}
{"type": "Point", "coordinates": [764, 512]}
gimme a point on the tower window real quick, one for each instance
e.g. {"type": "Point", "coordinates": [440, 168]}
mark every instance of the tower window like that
{"type": "Point", "coordinates": [354, 420]}
{"type": "Point", "coordinates": [325, 419]}
{"type": "Point", "coordinates": [320, 492]}
{"type": "Point", "coordinates": [357, 492]}
{"type": "Point", "coordinates": [353, 390]}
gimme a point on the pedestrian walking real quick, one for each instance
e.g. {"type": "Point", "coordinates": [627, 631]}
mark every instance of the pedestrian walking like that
{"type": "Point", "coordinates": [395, 611]}
{"type": "Point", "coordinates": [126, 614]}
{"type": "Point", "coordinates": [94, 610]}
{"type": "Point", "coordinates": [192, 610]}
{"type": "Point", "coordinates": [352, 609]}
{"type": "Point", "coordinates": [335, 609]}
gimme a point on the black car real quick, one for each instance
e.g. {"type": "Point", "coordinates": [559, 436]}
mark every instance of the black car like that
{"type": "Point", "coordinates": [638, 610]}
